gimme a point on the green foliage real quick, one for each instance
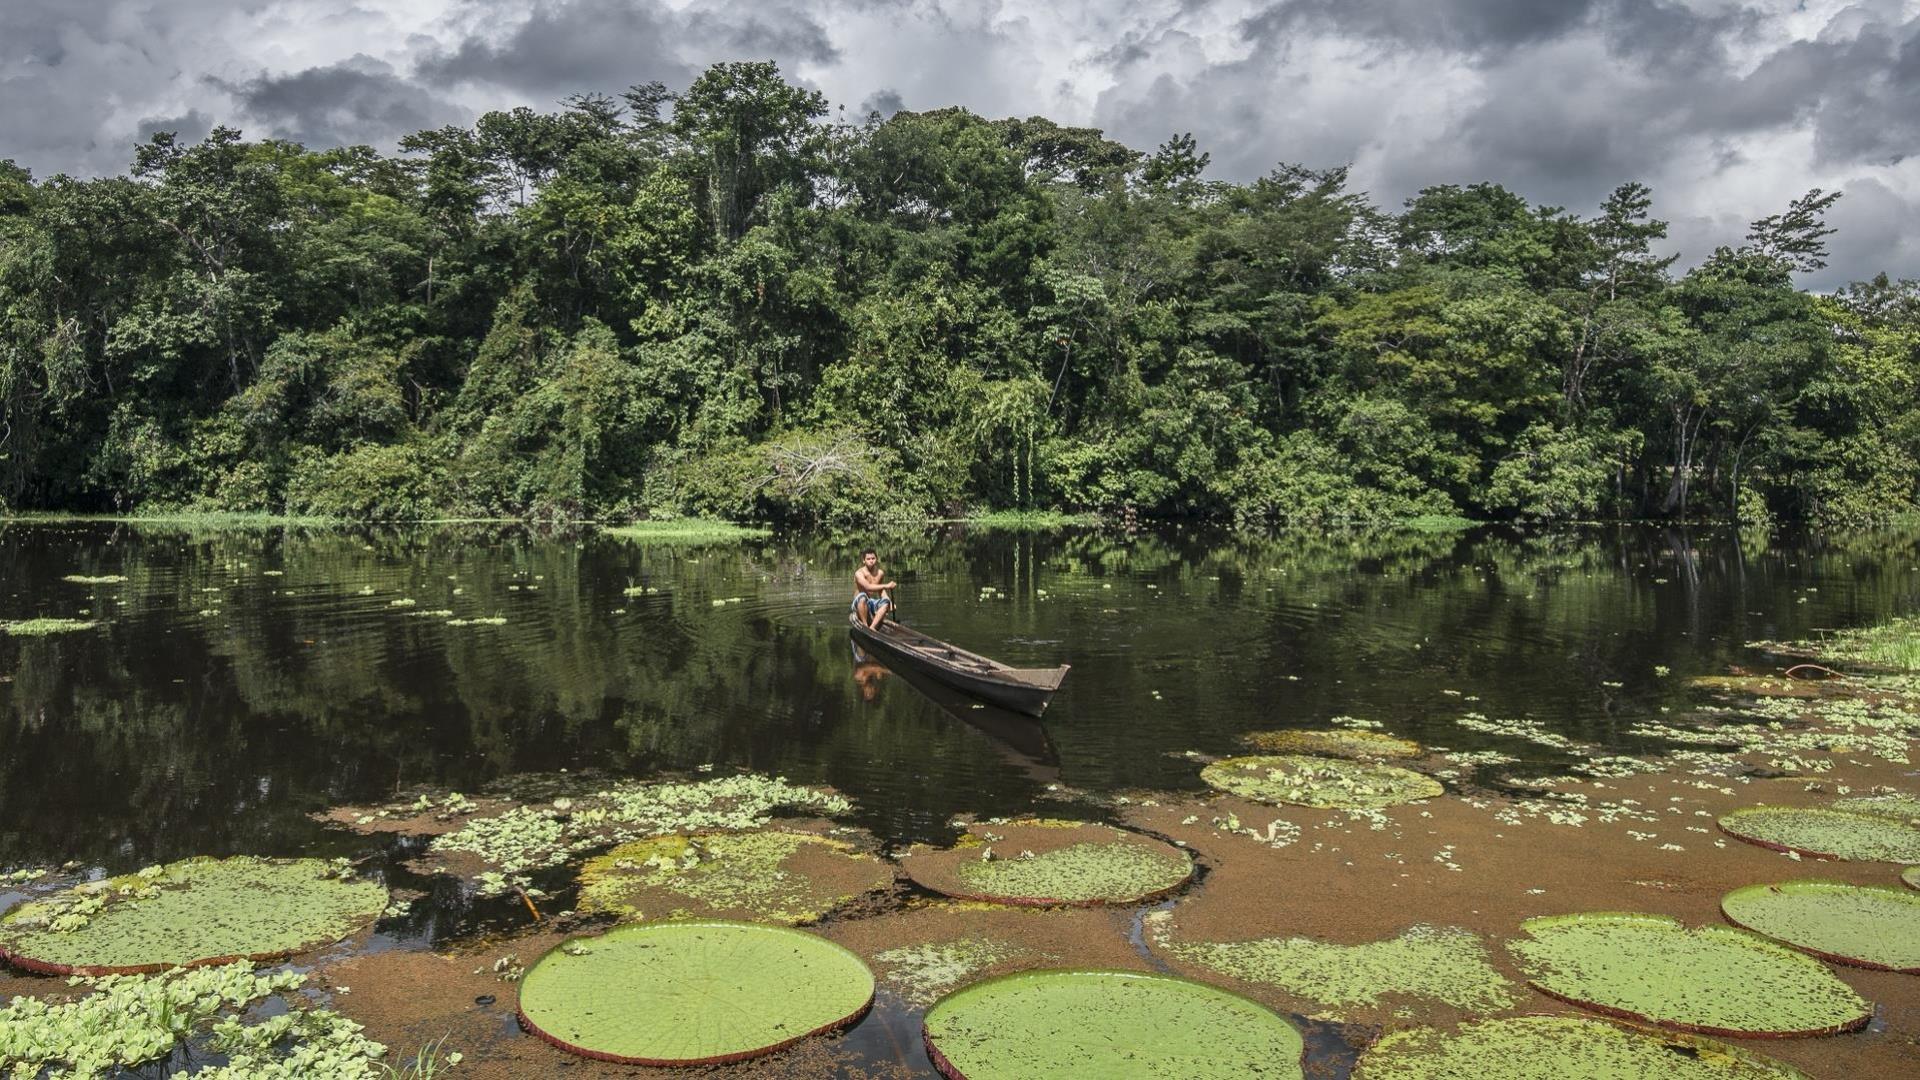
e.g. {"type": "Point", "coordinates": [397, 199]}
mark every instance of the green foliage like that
{"type": "Point", "coordinates": [1561, 1048]}
{"type": "Point", "coordinates": [715, 300]}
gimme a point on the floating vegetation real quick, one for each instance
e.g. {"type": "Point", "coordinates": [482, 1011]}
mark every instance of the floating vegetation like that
{"type": "Point", "coordinates": [100, 579]}
{"type": "Point", "coordinates": [1532, 731]}
{"type": "Point", "coordinates": [780, 877]}
{"type": "Point", "coordinates": [486, 620]}
{"type": "Point", "coordinates": [1714, 980]}
{"type": "Point", "coordinates": [1560, 1048]}
{"type": "Point", "coordinates": [1107, 1023]}
{"type": "Point", "coordinates": [43, 627]}
{"type": "Point", "coordinates": [1911, 876]}
{"type": "Point", "coordinates": [1444, 964]}
{"type": "Point", "coordinates": [1341, 743]}
{"type": "Point", "coordinates": [692, 993]}
{"type": "Point", "coordinates": [189, 913]}
{"type": "Point", "coordinates": [525, 838]}
{"type": "Point", "coordinates": [1759, 685]}
{"type": "Point", "coordinates": [1825, 834]}
{"type": "Point", "coordinates": [1320, 782]}
{"type": "Point", "coordinates": [130, 1021]}
{"type": "Point", "coordinates": [1898, 805]}
{"type": "Point", "coordinates": [1894, 644]}
{"type": "Point", "coordinates": [1043, 862]}
{"type": "Point", "coordinates": [687, 531]}
{"type": "Point", "coordinates": [1865, 925]}
{"type": "Point", "coordinates": [921, 973]}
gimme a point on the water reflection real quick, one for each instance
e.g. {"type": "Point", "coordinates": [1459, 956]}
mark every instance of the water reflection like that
{"type": "Point", "coordinates": [240, 679]}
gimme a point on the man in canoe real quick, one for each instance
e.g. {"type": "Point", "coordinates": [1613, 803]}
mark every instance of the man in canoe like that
{"type": "Point", "coordinates": [873, 598]}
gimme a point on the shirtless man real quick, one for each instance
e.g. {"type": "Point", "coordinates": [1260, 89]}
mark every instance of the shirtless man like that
{"type": "Point", "coordinates": [874, 598]}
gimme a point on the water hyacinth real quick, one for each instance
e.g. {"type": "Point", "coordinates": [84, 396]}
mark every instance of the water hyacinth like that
{"type": "Point", "coordinates": [139, 1020]}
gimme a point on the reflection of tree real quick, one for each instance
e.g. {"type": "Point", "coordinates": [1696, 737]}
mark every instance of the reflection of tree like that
{"type": "Point", "coordinates": [217, 703]}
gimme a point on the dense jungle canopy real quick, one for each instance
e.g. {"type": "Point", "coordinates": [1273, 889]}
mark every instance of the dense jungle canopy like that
{"type": "Point", "coordinates": [725, 301]}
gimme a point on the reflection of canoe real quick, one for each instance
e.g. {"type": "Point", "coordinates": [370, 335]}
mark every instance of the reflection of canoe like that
{"type": "Point", "coordinates": [1020, 739]}
{"type": "Point", "coordinates": [1023, 690]}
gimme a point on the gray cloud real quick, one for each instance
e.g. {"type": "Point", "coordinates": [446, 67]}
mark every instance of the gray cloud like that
{"type": "Point", "coordinates": [358, 100]}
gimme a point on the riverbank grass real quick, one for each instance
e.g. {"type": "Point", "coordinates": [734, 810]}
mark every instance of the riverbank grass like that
{"type": "Point", "coordinates": [687, 531]}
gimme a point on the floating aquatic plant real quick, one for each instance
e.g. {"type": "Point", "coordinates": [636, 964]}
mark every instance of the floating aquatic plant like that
{"type": "Point", "coordinates": [1866, 925]}
{"type": "Point", "coordinates": [1560, 1048]}
{"type": "Point", "coordinates": [1714, 980]}
{"type": "Point", "coordinates": [1106, 1024]}
{"type": "Point", "coordinates": [101, 579]}
{"type": "Point", "coordinates": [130, 1021]}
{"type": "Point", "coordinates": [1898, 805]}
{"type": "Point", "coordinates": [690, 993]}
{"type": "Point", "coordinates": [1758, 685]}
{"type": "Point", "coordinates": [189, 913]}
{"type": "Point", "coordinates": [43, 627]}
{"type": "Point", "coordinates": [1826, 834]}
{"type": "Point", "coordinates": [921, 973]}
{"type": "Point", "coordinates": [1044, 862]}
{"type": "Point", "coordinates": [1443, 964]}
{"type": "Point", "coordinates": [783, 877]}
{"type": "Point", "coordinates": [1321, 782]}
{"type": "Point", "coordinates": [524, 838]}
{"type": "Point", "coordinates": [1341, 743]}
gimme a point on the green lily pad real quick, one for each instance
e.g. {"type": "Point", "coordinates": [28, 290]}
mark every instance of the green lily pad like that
{"type": "Point", "coordinates": [1825, 834]}
{"type": "Point", "coordinates": [692, 993]}
{"type": "Point", "coordinates": [1341, 744]}
{"type": "Point", "coordinates": [769, 876]}
{"type": "Point", "coordinates": [187, 914]}
{"type": "Point", "coordinates": [1870, 926]}
{"type": "Point", "coordinates": [1106, 1024]}
{"type": "Point", "coordinates": [1041, 862]}
{"type": "Point", "coordinates": [1317, 781]}
{"type": "Point", "coordinates": [1911, 875]}
{"type": "Point", "coordinates": [1560, 1048]}
{"type": "Point", "coordinates": [1714, 980]}
{"type": "Point", "coordinates": [1897, 805]}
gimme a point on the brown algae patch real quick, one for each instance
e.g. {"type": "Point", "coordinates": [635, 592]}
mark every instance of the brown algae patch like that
{"type": "Point", "coordinates": [1441, 964]}
{"type": "Point", "coordinates": [1046, 862]}
{"type": "Point", "coordinates": [1714, 980]}
{"type": "Point", "coordinates": [1560, 1048]}
{"type": "Point", "coordinates": [1340, 743]}
{"type": "Point", "coordinates": [1320, 782]}
{"type": "Point", "coordinates": [770, 876]}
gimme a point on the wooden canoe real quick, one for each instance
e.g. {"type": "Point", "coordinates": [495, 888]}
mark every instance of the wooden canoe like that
{"type": "Point", "coordinates": [1023, 690]}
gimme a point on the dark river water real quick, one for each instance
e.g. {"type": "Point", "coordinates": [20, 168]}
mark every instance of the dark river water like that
{"type": "Point", "coordinates": [240, 680]}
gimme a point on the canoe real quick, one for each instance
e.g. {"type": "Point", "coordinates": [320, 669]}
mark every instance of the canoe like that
{"type": "Point", "coordinates": [1023, 690]}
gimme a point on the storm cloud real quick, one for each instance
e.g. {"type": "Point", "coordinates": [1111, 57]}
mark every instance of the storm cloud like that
{"type": "Point", "coordinates": [1727, 108]}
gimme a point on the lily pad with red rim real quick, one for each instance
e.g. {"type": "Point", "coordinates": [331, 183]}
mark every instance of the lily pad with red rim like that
{"type": "Point", "coordinates": [1871, 926]}
{"type": "Point", "coordinates": [188, 914]}
{"type": "Point", "coordinates": [1825, 834]}
{"type": "Point", "coordinates": [1714, 980]}
{"type": "Point", "coordinates": [1101, 1024]}
{"type": "Point", "coordinates": [1042, 862]}
{"type": "Point", "coordinates": [1340, 743]}
{"type": "Point", "coordinates": [1560, 1048]}
{"type": "Point", "coordinates": [692, 993]}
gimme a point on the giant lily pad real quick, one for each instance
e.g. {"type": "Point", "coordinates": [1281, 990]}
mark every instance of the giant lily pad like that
{"type": "Point", "coordinates": [1825, 834]}
{"type": "Point", "coordinates": [1715, 980]}
{"type": "Point", "coordinates": [1316, 781]}
{"type": "Point", "coordinates": [1042, 862]}
{"type": "Point", "coordinates": [1560, 1048]}
{"type": "Point", "coordinates": [1360, 745]}
{"type": "Point", "coordinates": [769, 876]}
{"type": "Point", "coordinates": [1102, 1024]}
{"type": "Point", "coordinates": [692, 993]}
{"type": "Point", "coordinates": [1865, 925]}
{"type": "Point", "coordinates": [1897, 805]}
{"type": "Point", "coordinates": [189, 913]}
{"type": "Point", "coordinates": [1911, 875]}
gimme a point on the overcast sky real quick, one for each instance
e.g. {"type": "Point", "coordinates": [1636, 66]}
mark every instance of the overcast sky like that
{"type": "Point", "coordinates": [1727, 109]}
